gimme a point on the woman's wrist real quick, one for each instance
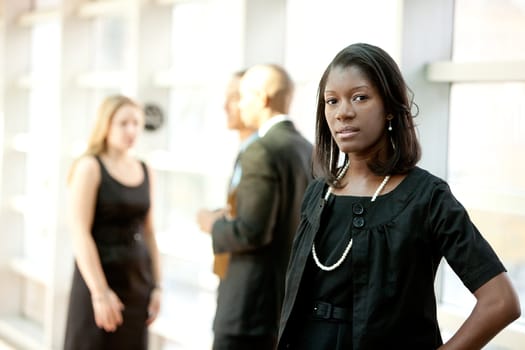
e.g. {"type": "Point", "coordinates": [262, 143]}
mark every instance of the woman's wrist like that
{"type": "Point", "coordinates": [100, 295]}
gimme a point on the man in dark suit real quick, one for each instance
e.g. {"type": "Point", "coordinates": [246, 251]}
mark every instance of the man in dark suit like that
{"type": "Point", "coordinates": [275, 170]}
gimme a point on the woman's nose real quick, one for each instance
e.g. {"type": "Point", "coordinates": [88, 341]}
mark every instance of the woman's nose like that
{"type": "Point", "coordinates": [345, 110]}
{"type": "Point", "coordinates": [133, 129]}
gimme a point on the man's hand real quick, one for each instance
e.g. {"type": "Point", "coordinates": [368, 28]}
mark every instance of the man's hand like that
{"type": "Point", "coordinates": [206, 218]}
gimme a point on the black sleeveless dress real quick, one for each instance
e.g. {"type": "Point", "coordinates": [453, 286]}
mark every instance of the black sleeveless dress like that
{"type": "Point", "coordinates": [118, 229]}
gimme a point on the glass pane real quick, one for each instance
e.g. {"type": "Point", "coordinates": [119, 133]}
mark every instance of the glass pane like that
{"type": "Point", "coordinates": [317, 30]}
{"type": "Point", "coordinates": [110, 43]}
{"type": "Point", "coordinates": [486, 153]}
{"type": "Point", "coordinates": [488, 30]}
{"type": "Point", "coordinates": [43, 139]}
{"type": "Point", "coordinates": [487, 138]}
{"type": "Point", "coordinates": [206, 39]}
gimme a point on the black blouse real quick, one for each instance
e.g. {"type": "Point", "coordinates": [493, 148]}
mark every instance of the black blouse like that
{"type": "Point", "coordinates": [330, 244]}
{"type": "Point", "coordinates": [398, 244]}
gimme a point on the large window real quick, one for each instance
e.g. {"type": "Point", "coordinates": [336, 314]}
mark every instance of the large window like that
{"type": "Point", "coordinates": [487, 137]}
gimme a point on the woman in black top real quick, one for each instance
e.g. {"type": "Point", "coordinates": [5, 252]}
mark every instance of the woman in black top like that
{"type": "Point", "coordinates": [373, 231]}
{"type": "Point", "coordinates": [115, 292]}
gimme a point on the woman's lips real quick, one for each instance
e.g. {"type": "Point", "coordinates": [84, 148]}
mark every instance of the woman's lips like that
{"type": "Point", "coordinates": [347, 132]}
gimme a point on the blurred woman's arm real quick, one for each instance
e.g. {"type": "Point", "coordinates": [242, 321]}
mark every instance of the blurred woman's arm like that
{"type": "Point", "coordinates": [83, 187]}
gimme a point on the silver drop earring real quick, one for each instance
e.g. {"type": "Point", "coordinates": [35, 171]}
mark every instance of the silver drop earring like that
{"type": "Point", "coordinates": [389, 128]}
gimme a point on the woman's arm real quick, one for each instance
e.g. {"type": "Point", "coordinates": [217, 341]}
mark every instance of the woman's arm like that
{"type": "Point", "coordinates": [82, 197]}
{"type": "Point", "coordinates": [151, 242]}
{"type": "Point", "coordinates": [497, 306]}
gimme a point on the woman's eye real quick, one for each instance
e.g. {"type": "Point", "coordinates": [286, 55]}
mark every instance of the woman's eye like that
{"type": "Point", "coordinates": [330, 101]}
{"type": "Point", "coordinates": [359, 98]}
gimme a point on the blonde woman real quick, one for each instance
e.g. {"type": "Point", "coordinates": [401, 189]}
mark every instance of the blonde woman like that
{"type": "Point", "coordinates": [115, 292]}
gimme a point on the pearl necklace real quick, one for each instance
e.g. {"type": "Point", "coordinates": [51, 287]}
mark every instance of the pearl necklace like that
{"type": "Point", "coordinates": [349, 246]}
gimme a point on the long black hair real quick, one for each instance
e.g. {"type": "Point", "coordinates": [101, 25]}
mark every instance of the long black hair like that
{"type": "Point", "coordinates": [383, 72]}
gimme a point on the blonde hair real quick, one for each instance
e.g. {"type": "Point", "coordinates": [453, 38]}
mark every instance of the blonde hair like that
{"type": "Point", "coordinates": [97, 139]}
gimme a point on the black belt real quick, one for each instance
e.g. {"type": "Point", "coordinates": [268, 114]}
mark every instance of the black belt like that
{"type": "Point", "coordinates": [326, 311]}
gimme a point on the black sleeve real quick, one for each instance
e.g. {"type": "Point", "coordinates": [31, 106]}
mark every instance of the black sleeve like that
{"type": "Point", "coordinates": [256, 205]}
{"type": "Point", "coordinates": [459, 241]}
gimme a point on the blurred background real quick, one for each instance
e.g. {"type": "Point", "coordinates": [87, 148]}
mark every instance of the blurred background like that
{"type": "Point", "coordinates": [464, 60]}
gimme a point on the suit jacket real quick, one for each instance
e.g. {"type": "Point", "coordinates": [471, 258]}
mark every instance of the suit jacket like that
{"type": "Point", "coordinates": [222, 260]}
{"type": "Point", "coordinates": [276, 170]}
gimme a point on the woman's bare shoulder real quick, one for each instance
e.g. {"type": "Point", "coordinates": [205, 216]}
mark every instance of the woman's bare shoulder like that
{"type": "Point", "coordinates": [87, 168]}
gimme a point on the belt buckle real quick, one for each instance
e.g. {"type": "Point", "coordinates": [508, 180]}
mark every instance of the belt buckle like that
{"type": "Point", "coordinates": [323, 310]}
